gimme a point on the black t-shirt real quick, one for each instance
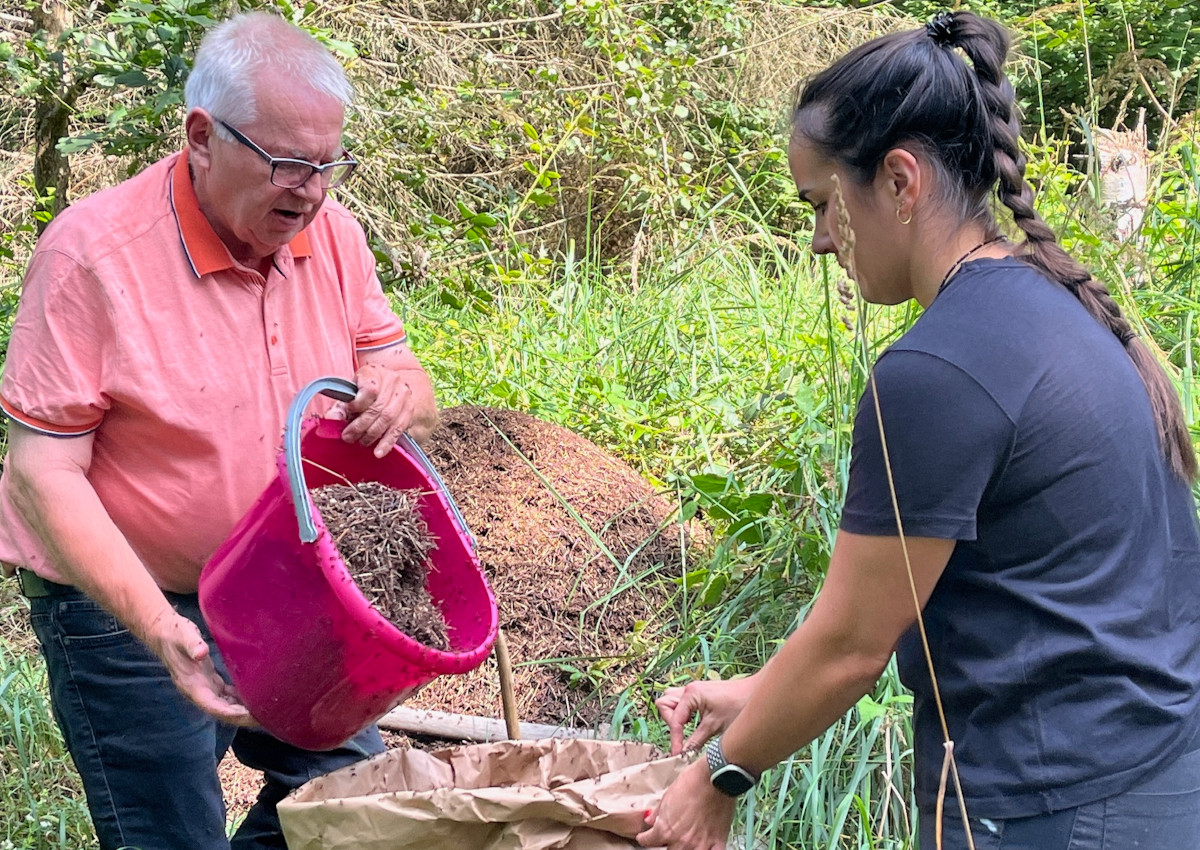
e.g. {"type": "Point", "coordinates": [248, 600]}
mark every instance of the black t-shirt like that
{"type": "Point", "coordinates": [1065, 631]}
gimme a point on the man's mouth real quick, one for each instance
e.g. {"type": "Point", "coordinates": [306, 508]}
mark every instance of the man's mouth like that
{"type": "Point", "coordinates": [290, 214]}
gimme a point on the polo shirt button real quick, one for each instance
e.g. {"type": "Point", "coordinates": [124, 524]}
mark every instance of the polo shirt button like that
{"type": "Point", "coordinates": [274, 340]}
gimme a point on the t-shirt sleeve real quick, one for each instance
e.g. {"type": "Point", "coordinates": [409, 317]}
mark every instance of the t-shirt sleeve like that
{"type": "Point", "coordinates": [61, 341]}
{"type": "Point", "coordinates": [947, 439]}
{"type": "Point", "coordinates": [378, 325]}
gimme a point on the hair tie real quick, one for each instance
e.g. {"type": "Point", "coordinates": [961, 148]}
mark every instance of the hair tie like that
{"type": "Point", "coordinates": [941, 29]}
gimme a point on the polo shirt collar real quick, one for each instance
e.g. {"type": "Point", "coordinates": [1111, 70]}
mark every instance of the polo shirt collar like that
{"type": "Point", "coordinates": [205, 251]}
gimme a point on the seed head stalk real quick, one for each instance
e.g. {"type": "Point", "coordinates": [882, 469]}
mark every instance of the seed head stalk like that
{"type": "Point", "coordinates": [846, 245]}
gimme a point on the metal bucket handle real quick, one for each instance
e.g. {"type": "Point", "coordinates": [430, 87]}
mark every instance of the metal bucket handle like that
{"type": "Point", "coordinates": [342, 390]}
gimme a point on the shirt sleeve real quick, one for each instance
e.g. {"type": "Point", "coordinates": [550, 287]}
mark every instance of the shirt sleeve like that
{"type": "Point", "coordinates": [61, 342]}
{"type": "Point", "coordinates": [947, 440]}
{"type": "Point", "coordinates": [378, 326]}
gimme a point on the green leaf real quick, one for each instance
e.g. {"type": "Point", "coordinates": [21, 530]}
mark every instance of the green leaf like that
{"type": "Point", "coordinates": [693, 579]}
{"type": "Point", "coordinates": [869, 710]}
{"type": "Point", "coordinates": [133, 79]}
{"type": "Point", "coordinates": [714, 590]}
{"type": "Point", "coordinates": [76, 144]}
{"type": "Point", "coordinates": [711, 485]}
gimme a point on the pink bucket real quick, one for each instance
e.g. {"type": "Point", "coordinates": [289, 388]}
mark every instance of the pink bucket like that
{"type": "Point", "coordinates": [310, 657]}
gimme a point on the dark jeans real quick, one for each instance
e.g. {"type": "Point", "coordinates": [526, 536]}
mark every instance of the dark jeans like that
{"type": "Point", "coordinates": [1162, 813]}
{"type": "Point", "coordinates": [147, 756]}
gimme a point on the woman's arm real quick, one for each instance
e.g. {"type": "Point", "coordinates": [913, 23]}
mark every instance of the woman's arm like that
{"type": "Point", "coordinates": [832, 659]}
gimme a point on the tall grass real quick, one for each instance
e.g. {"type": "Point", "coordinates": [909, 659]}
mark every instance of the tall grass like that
{"type": "Point", "coordinates": [43, 803]}
{"type": "Point", "coordinates": [731, 376]}
{"type": "Point", "coordinates": [726, 376]}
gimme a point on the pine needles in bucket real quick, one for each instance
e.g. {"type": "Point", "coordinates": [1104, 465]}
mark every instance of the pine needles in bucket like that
{"type": "Point", "coordinates": [385, 544]}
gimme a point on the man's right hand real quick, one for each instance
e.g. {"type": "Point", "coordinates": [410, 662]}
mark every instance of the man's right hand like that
{"type": "Point", "coordinates": [179, 644]}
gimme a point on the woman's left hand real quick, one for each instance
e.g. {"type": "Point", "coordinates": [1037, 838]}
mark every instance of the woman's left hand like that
{"type": "Point", "coordinates": [693, 815]}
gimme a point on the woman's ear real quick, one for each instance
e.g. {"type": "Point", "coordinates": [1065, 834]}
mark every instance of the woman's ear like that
{"type": "Point", "coordinates": [901, 179]}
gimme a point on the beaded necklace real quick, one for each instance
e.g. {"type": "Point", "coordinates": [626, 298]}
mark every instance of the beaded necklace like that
{"type": "Point", "coordinates": [954, 269]}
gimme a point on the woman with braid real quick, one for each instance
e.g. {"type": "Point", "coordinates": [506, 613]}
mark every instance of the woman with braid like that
{"type": "Point", "coordinates": [1041, 470]}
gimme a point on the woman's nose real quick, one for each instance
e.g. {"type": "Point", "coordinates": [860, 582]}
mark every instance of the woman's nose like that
{"type": "Point", "coordinates": [822, 242]}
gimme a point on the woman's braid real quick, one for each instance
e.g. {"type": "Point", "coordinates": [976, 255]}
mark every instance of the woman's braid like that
{"type": "Point", "coordinates": [986, 45]}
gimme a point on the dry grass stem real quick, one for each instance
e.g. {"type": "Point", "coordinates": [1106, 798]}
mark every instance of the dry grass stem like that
{"type": "Point", "coordinates": [846, 244]}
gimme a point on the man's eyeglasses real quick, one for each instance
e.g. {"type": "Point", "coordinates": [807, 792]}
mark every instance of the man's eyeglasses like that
{"type": "Point", "coordinates": [289, 173]}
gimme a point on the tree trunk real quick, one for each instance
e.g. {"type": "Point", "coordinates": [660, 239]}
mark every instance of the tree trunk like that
{"type": "Point", "coordinates": [51, 115]}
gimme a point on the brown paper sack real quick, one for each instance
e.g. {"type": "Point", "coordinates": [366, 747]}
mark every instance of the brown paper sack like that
{"type": "Point", "coordinates": [531, 795]}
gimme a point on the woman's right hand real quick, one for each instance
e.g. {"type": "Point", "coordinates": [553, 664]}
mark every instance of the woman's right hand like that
{"type": "Point", "coordinates": [717, 703]}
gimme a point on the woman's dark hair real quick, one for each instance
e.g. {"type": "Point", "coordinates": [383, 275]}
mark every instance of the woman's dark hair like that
{"type": "Point", "coordinates": [913, 90]}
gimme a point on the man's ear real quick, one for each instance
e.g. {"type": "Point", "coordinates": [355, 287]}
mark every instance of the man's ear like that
{"type": "Point", "coordinates": [198, 127]}
{"type": "Point", "coordinates": [902, 179]}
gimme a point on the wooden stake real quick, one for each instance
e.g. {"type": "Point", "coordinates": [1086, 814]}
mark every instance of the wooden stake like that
{"type": "Point", "coordinates": [508, 694]}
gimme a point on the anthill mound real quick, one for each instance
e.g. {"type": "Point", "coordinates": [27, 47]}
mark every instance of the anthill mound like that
{"type": "Point", "coordinates": [569, 537]}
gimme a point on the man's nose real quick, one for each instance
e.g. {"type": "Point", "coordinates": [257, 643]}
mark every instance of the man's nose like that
{"type": "Point", "coordinates": [313, 189]}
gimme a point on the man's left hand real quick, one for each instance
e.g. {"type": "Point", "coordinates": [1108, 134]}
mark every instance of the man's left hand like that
{"type": "Point", "coordinates": [382, 410]}
{"type": "Point", "coordinates": [693, 815]}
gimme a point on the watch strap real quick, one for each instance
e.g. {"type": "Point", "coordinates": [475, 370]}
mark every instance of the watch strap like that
{"type": "Point", "coordinates": [729, 779]}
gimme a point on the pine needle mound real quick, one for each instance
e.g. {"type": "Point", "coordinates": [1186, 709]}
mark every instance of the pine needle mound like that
{"type": "Point", "coordinates": [384, 541]}
{"type": "Point", "coordinates": [580, 551]}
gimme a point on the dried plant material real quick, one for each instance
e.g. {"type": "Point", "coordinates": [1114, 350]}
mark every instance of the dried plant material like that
{"type": "Point", "coordinates": [846, 241]}
{"type": "Point", "coordinates": [385, 544]}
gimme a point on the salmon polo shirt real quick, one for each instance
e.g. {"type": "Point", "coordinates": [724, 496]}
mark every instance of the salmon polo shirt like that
{"type": "Point", "coordinates": [137, 326]}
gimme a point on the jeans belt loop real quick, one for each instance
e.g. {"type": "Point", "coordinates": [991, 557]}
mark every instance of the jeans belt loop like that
{"type": "Point", "coordinates": [32, 585]}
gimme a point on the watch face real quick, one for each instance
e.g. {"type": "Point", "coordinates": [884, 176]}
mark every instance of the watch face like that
{"type": "Point", "coordinates": [732, 780]}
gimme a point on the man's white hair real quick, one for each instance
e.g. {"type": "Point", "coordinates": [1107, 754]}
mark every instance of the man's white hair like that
{"type": "Point", "coordinates": [253, 47]}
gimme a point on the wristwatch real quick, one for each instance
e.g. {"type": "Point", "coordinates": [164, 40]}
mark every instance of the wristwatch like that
{"type": "Point", "coordinates": [729, 779]}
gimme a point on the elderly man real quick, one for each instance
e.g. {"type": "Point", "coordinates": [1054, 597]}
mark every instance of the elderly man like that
{"type": "Point", "coordinates": [165, 325]}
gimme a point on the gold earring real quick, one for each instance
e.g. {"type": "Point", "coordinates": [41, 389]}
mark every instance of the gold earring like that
{"type": "Point", "coordinates": [903, 220]}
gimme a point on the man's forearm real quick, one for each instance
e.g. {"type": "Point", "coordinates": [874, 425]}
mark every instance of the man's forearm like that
{"type": "Point", "coordinates": [63, 509]}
